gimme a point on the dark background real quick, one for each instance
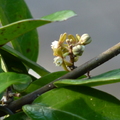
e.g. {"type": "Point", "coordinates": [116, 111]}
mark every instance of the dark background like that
{"type": "Point", "coordinates": [100, 19]}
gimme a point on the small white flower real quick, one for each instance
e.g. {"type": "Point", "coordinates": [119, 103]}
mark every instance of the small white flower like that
{"type": "Point", "coordinates": [54, 45]}
{"type": "Point", "coordinates": [58, 61]}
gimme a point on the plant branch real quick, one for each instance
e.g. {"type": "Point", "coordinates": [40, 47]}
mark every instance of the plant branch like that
{"type": "Point", "coordinates": [81, 70]}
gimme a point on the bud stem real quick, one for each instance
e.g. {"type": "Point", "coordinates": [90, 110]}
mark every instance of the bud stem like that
{"type": "Point", "coordinates": [71, 58]}
{"type": "Point", "coordinates": [64, 66]}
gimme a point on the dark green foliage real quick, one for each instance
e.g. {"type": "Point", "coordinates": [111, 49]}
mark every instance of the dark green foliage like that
{"type": "Point", "coordinates": [74, 99]}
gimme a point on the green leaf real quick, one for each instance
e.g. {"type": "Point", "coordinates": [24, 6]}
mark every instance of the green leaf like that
{"type": "Point", "coordinates": [21, 87]}
{"type": "Point", "coordinates": [12, 63]}
{"type": "Point", "coordinates": [1, 95]}
{"type": "Point", "coordinates": [18, 116]}
{"type": "Point", "coordinates": [14, 30]}
{"type": "Point", "coordinates": [10, 11]}
{"type": "Point", "coordinates": [102, 79]}
{"type": "Point", "coordinates": [37, 68]}
{"type": "Point", "coordinates": [48, 113]}
{"type": "Point", "coordinates": [59, 16]}
{"type": "Point", "coordinates": [44, 80]}
{"type": "Point", "coordinates": [74, 103]}
{"type": "Point", "coordinates": [9, 78]}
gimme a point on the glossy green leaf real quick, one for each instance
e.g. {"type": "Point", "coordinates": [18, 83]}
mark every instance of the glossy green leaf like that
{"type": "Point", "coordinates": [42, 112]}
{"type": "Point", "coordinates": [37, 68]}
{"type": "Point", "coordinates": [21, 87]}
{"type": "Point", "coordinates": [14, 30]}
{"type": "Point", "coordinates": [10, 11]}
{"type": "Point", "coordinates": [9, 78]}
{"type": "Point", "coordinates": [102, 79]}
{"type": "Point", "coordinates": [44, 80]}
{"type": "Point", "coordinates": [12, 63]}
{"type": "Point", "coordinates": [74, 103]}
{"type": "Point", "coordinates": [18, 116]}
{"type": "Point", "coordinates": [1, 95]}
{"type": "Point", "coordinates": [59, 16]}
{"type": "Point", "coordinates": [1, 70]}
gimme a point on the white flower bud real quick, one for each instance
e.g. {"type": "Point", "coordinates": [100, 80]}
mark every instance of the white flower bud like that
{"type": "Point", "coordinates": [78, 50]}
{"type": "Point", "coordinates": [58, 61]}
{"type": "Point", "coordinates": [71, 40]}
{"type": "Point", "coordinates": [85, 39]}
{"type": "Point", "coordinates": [67, 40]}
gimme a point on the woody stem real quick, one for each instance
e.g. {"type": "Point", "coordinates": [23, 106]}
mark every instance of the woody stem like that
{"type": "Point", "coordinates": [71, 58]}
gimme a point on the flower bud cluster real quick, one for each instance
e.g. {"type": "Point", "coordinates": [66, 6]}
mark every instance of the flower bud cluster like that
{"type": "Point", "coordinates": [71, 46]}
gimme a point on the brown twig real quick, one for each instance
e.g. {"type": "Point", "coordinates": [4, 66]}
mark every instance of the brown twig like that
{"type": "Point", "coordinates": [81, 70]}
{"type": "Point", "coordinates": [71, 58]}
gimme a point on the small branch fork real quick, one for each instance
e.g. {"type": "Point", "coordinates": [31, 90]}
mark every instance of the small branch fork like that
{"type": "Point", "coordinates": [81, 70]}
